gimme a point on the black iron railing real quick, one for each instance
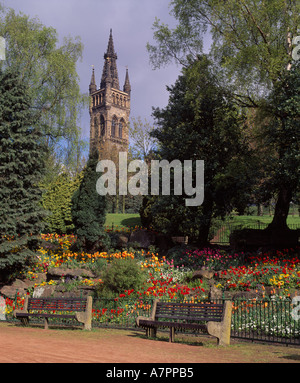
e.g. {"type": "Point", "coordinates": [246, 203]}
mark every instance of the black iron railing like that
{"type": "Point", "coordinates": [268, 320]}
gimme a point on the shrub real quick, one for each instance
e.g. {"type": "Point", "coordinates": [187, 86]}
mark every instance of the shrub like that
{"type": "Point", "coordinates": [120, 275]}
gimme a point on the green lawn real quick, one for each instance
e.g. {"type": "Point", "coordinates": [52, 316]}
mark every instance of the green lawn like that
{"type": "Point", "coordinates": [123, 220]}
{"type": "Point", "coordinates": [250, 219]}
{"type": "Point", "coordinates": [222, 230]}
{"type": "Point", "coordinates": [131, 220]}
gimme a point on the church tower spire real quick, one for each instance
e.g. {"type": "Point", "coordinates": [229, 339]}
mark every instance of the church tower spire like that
{"type": "Point", "coordinates": [110, 66]}
{"type": "Point", "coordinates": [109, 108]}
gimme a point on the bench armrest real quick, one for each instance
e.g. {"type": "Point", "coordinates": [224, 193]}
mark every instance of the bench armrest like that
{"type": "Point", "coordinates": [152, 315]}
{"type": "Point", "coordinates": [85, 317]}
{"type": "Point", "coordinates": [25, 308]}
{"type": "Point", "coordinates": [153, 312]}
{"type": "Point", "coordinates": [15, 312]}
{"type": "Point", "coordinates": [137, 321]}
{"type": "Point", "coordinates": [222, 330]}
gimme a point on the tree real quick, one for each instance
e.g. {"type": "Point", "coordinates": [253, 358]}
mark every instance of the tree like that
{"type": "Point", "coordinates": [49, 70]}
{"type": "Point", "coordinates": [252, 41]}
{"type": "Point", "coordinates": [141, 142]}
{"type": "Point", "coordinates": [253, 38]}
{"type": "Point", "coordinates": [201, 122]}
{"type": "Point", "coordinates": [280, 132]}
{"type": "Point", "coordinates": [22, 155]}
{"type": "Point", "coordinates": [57, 200]}
{"type": "Point", "coordinates": [88, 210]}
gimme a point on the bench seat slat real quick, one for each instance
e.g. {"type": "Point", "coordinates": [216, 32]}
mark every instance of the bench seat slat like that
{"type": "Point", "coordinates": [145, 323]}
{"type": "Point", "coordinates": [192, 319]}
{"type": "Point", "coordinates": [190, 313]}
{"type": "Point", "coordinates": [187, 312]}
{"type": "Point", "coordinates": [183, 304]}
{"type": "Point", "coordinates": [209, 308]}
{"type": "Point", "coordinates": [44, 315]}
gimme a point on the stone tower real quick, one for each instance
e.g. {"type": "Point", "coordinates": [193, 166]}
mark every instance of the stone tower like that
{"type": "Point", "coordinates": [109, 108]}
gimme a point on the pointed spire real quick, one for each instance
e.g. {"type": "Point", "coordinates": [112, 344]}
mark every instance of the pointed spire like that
{"type": "Point", "coordinates": [127, 86]}
{"type": "Point", "coordinates": [93, 86]}
{"type": "Point", "coordinates": [110, 47]}
{"type": "Point", "coordinates": [110, 65]}
{"type": "Point", "coordinates": [108, 71]}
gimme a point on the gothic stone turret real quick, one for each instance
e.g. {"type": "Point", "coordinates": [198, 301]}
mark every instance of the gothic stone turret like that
{"type": "Point", "coordinates": [109, 108]}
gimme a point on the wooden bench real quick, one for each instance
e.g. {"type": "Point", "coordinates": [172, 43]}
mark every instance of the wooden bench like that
{"type": "Point", "coordinates": [72, 308]}
{"type": "Point", "coordinates": [212, 317]}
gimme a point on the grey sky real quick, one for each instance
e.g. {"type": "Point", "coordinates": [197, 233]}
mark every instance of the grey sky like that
{"type": "Point", "coordinates": [131, 22]}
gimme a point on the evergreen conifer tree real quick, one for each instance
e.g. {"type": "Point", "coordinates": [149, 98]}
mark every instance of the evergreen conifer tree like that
{"type": "Point", "coordinates": [89, 210]}
{"type": "Point", "coordinates": [21, 169]}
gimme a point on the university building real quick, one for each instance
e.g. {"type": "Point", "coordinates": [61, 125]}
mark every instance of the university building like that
{"type": "Point", "coordinates": [109, 108]}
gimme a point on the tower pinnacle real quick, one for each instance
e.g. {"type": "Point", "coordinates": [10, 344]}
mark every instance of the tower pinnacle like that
{"type": "Point", "coordinates": [110, 65]}
{"type": "Point", "coordinates": [127, 86]}
{"type": "Point", "coordinates": [93, 86]}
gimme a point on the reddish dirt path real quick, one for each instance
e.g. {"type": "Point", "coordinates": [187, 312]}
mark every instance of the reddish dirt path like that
{"type": "Point", "coordinates": [36, 345]}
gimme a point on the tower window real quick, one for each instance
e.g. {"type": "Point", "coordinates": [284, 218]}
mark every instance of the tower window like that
{"type": "Point", "coordinates": [113, 126]}
{"type": "Point", "coordinates": [120, 129]}
{"type": "Point", "coordinates": [102, 125]}
{"type": "Point", "coordinates": [96, 127]}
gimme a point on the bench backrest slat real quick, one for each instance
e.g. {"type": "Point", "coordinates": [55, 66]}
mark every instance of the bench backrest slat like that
{"type": "Point", "coordinates": [57, 304]}
{"type": "Point", "coordinates": [190, 312]}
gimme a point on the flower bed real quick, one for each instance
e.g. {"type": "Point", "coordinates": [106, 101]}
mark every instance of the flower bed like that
{"type": "Point", "coordinates": [168, 279]}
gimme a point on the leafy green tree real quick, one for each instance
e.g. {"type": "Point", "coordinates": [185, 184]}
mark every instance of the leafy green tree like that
{"type": "Point", "coordinates": [49, 70]}
{"type": "Point", "coordinates": [57, 200]}
{"type": "Point", "coordinates": [280, 132]}
{"type": "Point", "coordinates": [252, 41]}
{"type": "Point", "coordinates": [89, 210]}
{"type": "Point", "coordinates": [22, 155]}
{"type": "Point", "coordinates": [141, 142]}
{"type": "Point", "coordinates": [201, 122]}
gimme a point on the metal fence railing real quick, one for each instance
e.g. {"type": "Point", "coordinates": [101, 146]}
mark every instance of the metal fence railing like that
{"type": "Point", "coordinates": [267, 320]}
{"type": "Point", "coordinates": [119, 313]}
{"type": "Point", "coordinates": [221, 231]}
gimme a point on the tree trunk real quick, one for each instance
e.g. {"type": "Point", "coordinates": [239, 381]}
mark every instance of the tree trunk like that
{"type": "Point", "coordinates": [123, 206]}
{"type": "Point", "coordinates": [281, 209]}
{"type": "Point", "coordinates": [117, 203]}
{"type": "Point", "coordinates": [204, 227]}
{"type": "Point", "coordinates": [204, 233]}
